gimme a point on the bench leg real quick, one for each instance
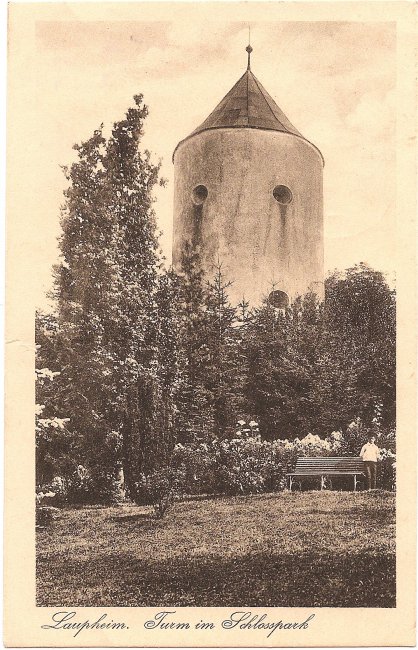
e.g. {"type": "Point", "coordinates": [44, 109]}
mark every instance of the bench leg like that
{"type": "Point", "coordinates": [355, 482]}
{"type": "Point", "coordinates": [290, 482]}
{"type": "Point", "coordinates": [322, 482]}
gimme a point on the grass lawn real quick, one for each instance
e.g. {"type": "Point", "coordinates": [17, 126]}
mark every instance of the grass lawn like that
{"type": "Point", "coordinates": [327, 549]}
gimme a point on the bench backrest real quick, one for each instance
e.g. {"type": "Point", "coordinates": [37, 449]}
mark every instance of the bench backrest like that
{"type": "Point", "coordinates": [324, 464]}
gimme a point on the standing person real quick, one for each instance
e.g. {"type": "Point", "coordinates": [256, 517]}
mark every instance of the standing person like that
{"type": "Point", "coordinates": [370, 455]}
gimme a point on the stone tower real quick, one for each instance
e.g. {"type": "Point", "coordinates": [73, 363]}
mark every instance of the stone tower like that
{"type": "Point", "coordinates": [248, 196]}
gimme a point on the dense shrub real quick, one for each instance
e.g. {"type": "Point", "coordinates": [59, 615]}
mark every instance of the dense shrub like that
{"type": "Point", "coordinates": [98, 485]}
{"type": "Point", "coordinates": [44, 516]}
{"type": "Point", "coordinates": [45, 513]}
{"type": "Point", "coordinates": [244, 464]}
{"type": "Point", "coordinates": [160, 487]}
{"type": "Point", "coordinates": [82, 487]}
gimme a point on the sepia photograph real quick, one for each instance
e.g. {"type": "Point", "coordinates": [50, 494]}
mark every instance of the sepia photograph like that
{"type": "Point", "coordinates": [189, 407]}
{"type": "Point", "coordinates": [214, 220]}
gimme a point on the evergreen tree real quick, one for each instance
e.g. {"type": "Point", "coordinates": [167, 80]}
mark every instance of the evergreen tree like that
{"type": "Point", "coordinates": [222, 375]}
{"type": "Point", "coordinates": [195, 413]}
{"type": "Point", "coordinates": [133, 315]}
{"type": "Point", "coordinates": [270, 369]}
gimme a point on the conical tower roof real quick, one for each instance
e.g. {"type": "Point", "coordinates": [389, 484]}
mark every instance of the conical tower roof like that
{"type": "Point", "coordinates": [248, 105]}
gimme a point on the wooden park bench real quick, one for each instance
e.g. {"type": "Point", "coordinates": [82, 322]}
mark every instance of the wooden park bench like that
{"type": "Point", "coordinates": [324, 467]}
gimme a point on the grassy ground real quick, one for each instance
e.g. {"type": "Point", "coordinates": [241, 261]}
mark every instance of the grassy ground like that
{"type": "Point", "coordinates": [285, 550]}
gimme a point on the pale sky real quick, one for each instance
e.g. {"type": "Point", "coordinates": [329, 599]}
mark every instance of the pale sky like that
{"type": "Point", "coordinates": [335, 81]}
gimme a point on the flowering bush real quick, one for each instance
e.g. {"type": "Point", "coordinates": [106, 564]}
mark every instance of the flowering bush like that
{"type": "Point", "coordinates": [54, 493]}
{"type": "Point", "coordinates": [239, 466]}
{"type": "Point", "coordinates": [246, 464]}
{"type": "Point", "coordinates": [45, 500]}
{"type": "Point", "coordinates": [386, 477]}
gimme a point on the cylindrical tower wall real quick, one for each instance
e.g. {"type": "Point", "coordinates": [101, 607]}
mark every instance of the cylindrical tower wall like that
{"type": "Point", "coordinates": [224, 203]}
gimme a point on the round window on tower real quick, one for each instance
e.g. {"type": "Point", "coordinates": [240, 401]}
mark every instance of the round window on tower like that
{"type": "Point", "coordinates": [282, 194]}
{"type": "Point", "coordinates": [279, 299]}
{"type": "Point", "coordinates": [199, 194]}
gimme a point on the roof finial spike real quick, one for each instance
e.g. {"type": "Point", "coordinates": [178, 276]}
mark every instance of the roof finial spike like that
{"type": "Point", "coordinates": [249, 49]}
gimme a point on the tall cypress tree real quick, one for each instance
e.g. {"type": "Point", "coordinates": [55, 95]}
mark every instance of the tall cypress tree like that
{"type": "Point", "coordinates": [265, 345]}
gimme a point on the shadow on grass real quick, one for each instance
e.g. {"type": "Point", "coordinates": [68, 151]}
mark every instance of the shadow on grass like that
{"type": "Point", "coordinates": [256, 580]}
{"type": "Point", "coordinates": [141, 516]}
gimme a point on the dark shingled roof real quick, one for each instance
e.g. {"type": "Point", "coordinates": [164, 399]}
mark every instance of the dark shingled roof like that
{"type": "Point", "coordinates": [248, 104]}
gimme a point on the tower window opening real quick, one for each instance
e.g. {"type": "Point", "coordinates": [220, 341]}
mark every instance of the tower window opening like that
{"type": "Point", "coordinates": [282, 194]}
{"type": "Point", "coordinates": [199, 194]}
{"type": "Point", "coordinates": [279, 299]}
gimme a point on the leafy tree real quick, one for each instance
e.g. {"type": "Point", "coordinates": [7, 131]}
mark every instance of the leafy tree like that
{"type": "Point", "coordinates": [280, 344]}
{"type": "Point", "coordinates": [54, 441]}
{"type": "Point", "coordinates": [316, 367]}
{"type": "Point", "coordinates": [109, 292]}
{"type": "Point", "coordinates": [360, 313]}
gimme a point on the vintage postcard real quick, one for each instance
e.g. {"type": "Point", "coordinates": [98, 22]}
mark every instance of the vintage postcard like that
{"type": "Point", "coordinates": [210, 330]}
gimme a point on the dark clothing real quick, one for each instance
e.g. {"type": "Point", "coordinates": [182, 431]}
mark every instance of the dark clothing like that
{"type": "Point", "coordinates": [370, 469]}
